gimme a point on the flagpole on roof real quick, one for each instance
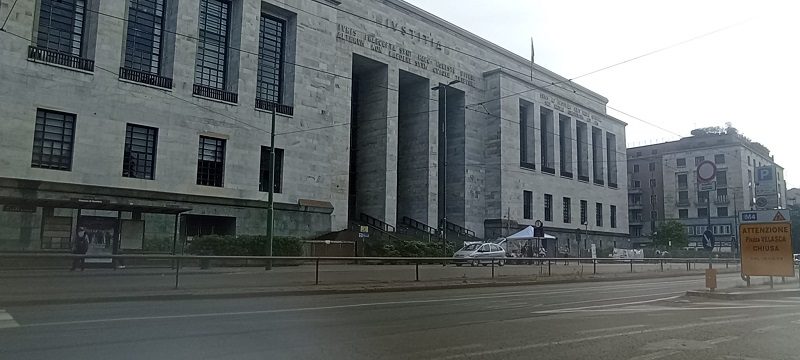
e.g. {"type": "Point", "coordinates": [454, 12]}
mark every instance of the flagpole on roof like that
{"type": "Point", "coordinates": [532, 57]}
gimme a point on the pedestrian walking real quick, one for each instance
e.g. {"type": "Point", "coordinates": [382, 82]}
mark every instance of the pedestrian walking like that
{"type": "Point", "coordinates": [80, 247]}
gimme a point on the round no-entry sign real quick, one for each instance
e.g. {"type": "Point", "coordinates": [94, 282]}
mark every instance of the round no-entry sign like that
{"type": "Point", "coordinates": [706, 171]}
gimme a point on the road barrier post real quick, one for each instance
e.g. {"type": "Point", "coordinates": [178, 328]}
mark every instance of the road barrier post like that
{"type": "Point", "coordinates": [177, 272]}
{"type": "Point", "coordinates": [492, 268]}
{"type": "Point", "coordinates": [316, 280]}
{"type": "Point", "coordinates": [417, 268]}
{"type": "Point", "coordinates": [771, 282]}
{"type": "Point", "coordinates": [631, 266]}
{"type": "Point", "coordinates": [662, 265]}
{"type": "Point", "coordinates": [549, 271]}
{"type": "Point", "coordinates": [594, 267]}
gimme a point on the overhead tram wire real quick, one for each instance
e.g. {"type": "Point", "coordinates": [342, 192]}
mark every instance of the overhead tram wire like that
{"type": "Point", "coordinates": [194, 38]}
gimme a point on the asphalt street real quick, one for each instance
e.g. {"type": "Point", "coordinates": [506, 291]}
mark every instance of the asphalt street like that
{"type": "Point", "coordinates": [635, 319]}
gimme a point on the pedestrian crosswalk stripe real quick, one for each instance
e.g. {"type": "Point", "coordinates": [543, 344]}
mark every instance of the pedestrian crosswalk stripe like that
{"type": "Point", "coordinates": [6, 320]}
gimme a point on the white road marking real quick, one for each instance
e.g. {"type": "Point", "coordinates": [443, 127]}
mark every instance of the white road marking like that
{"type": "Point", "coordinates": [656, 355]}
{"type": "Point", "coordinates": [557, 311]}
{"type": "Point", "coordinates": [721, 340]}
{"type": "Point", "coordinates": [724, 317]}
{"type": "Point", "coordinates": [7, 321]}
{"type": "Point", "coordinates": [767, 329]}
{"type": "Point", "coordinates": [661, 308]}
{"type": "Point", "coordinates": [609, 336]}
{"type": "Point", "coordinates": [628, 327]}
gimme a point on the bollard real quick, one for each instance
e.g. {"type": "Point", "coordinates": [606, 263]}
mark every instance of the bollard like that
{"type": "Point", "coordinates": [177, 272]}
{"type": "Point", "coordinates": [631, 266]}
{"type": "Point", "coordinates": [594, 267]}
{"type": "Point", "coordinates": [316, 279]}
{"type": "Point", "coordinates": [662, 265]}
{"type": "Point", "coordinates": [783, 280]}
{"type": "Point", "coordinates": [771, 282]}
{"type": "Point", "coordinates": [417, 268]}
{"type": "Point", "coordinates": [492, 268]}
{"type": "Point", "coordinates": [549, 272]}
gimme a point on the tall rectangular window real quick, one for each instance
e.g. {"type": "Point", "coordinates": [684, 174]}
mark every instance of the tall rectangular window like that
{"type": "Point", "coordinates": [548, 207]}
{"type": "Point", "coordinates": [598, 214]}
{"type": "Point", "coordinates": [698, 160]}
{"type": "Point", "coordinates": [527, 205]}
{"type": "Point", "coordinates": [582, 140]}
{"type": "Point", "coordinates": [681, 162]}
{"type": "Point", "coordinates": [263, 183]}
{"type": "Point", "coordinates": [683, 198]}
{"type": "Point", "coordinates": [527, 148]}
{"type": "Point", "coordinates": [636, 169]}
{"type": "Point", "coordinates": [567, 210]}
{"type": "Point", "coordinates": [139, 159]}
{"type": "Point", "coordinates": [611, 159]}
{"type": "Point", "coordinates": [719, 159]}
{"type": "Point", "coordinates": [652, 166]}
{"type": "Point", "coordinates": [722, 211]}
{"type": "Point", "coordinates": [722, 179]}
{"type": "Point", "coordinates": [211, 162]}
{"type": "Point", "coordinates": [613, 214]}
{"type": "Point", "coordinates": [565, 145]}
{"type": "Point", "coordinates": [61, 26]}
{"type": "Point", "coordinates": [547, 134]}
{"type": "Point", "coordinates": [597, 155]}
{"type": "Point", "coordinates": [683, 181]}
{"type": "Point", "coordinates": [702, 212]}
{"type": "Point", "coordinates": [584, 212]}
{"type": "Point", "coordinates": [212, 44]}
{"type": "Point", "coordinates": [683, 213]}
{"type": "Point", "coordinates": [53, 139]}
{"type": "Point", "coordinates": [271, 46]}
{"type": "Point", "coordinates": [145, 36]}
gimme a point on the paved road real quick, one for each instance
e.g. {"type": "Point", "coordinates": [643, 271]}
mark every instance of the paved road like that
{"type": "Point", "coordinates": [636, 320]}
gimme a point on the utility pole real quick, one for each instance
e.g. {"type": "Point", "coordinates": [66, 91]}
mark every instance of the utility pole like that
{"type": "Point", "coordinates": [444, 173]}
{"type": "Point", "coordinates": [271, 198]}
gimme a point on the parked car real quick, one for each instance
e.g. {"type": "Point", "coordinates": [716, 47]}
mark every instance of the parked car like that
{"type": "Point", "coordinates": [475, 254]}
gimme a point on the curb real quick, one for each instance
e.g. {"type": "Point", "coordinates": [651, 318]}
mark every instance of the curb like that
{"type": "Point", "coordinates": [749, 295]}
{"type": "Point", "coordinates": [354, 289]}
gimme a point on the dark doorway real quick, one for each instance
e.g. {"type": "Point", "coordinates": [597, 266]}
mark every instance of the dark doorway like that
{"type": "Point", "coordinates": [368, 139]}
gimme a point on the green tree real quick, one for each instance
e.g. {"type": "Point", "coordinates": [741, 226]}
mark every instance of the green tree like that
{"type": "Point", "coordinates": [670, 232]}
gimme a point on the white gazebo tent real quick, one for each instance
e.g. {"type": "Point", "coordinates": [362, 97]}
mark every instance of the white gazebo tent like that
{"type": "Point", "coordinates": [514, 243]}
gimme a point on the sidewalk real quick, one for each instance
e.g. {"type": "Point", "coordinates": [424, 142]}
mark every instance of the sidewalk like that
{"type": "Point", "coordinates": [758, 290]}
{"type": "Point", "coordinates": [31, 287]}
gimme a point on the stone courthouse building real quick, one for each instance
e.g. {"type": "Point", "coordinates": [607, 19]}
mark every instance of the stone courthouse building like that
{"type": "Point", "coordinates": [140, 119]}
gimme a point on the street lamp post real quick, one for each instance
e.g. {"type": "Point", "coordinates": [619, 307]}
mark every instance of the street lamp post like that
{"type": "Point", "coordinates": [271, 199]}
{"type": "Point", "coordinates": [444, 87]}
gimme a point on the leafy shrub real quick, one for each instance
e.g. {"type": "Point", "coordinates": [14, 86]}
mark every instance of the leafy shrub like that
{"type": "Point", "coordinates": [407, 248]}
{"type": "Point", "coordinates": [244, 246]}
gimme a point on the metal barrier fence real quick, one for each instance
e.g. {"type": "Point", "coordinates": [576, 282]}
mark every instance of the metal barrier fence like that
{"type": "Point", "coordinates": [176, 262]}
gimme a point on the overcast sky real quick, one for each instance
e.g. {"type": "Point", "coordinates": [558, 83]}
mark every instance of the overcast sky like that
{"type": "Point", "coordinates": [747, 74]}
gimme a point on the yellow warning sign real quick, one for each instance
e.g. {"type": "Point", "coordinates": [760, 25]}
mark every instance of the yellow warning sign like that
{"type": "Point", "coordinates": [767, 249]}
{"type": "Point", "coordinates": [779, 217]}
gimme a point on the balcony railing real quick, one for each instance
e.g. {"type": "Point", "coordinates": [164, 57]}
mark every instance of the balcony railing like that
{"type": "Point", "coordinates": [59, 58]}
{"type": "Point", "coordinates": [722, 200]}
{"type": "Point", "coordinates": [683, 203]}
{"type": "Point", "coordinates": [216, 94]}
{"type": "Point", "coordinates": [278, 108]}
{"type": "Point", "coordinates": [635, 205]}
{"type": "Point", "coordinates": [145, 78]}
{"type": "Point", "coordinates": [701, 202]}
